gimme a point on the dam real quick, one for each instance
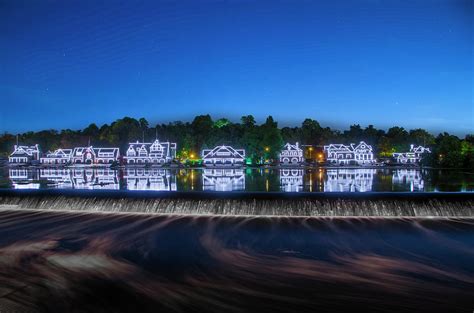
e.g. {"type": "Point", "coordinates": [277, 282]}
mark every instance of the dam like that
{"type": "Point", "coordinates": [244, 204]}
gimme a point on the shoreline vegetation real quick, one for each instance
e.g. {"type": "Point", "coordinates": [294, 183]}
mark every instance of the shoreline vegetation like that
{"type": "Point", "coordinates": [262, 142]}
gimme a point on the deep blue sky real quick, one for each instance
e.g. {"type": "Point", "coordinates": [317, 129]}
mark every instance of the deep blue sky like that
{"type": "Point", "coordinates": [65, 64]}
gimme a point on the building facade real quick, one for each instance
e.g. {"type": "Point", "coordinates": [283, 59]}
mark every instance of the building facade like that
{"type": "Point", "coordinates": [59, 156]}
{"type": "Point", "coordinates": [349, 154]}
{"type": "Point", "coordinates": [223, 156]}
{"type": "Point", "coordinates": [291, 154]}
{"type": "Point", "coordinates": [24, 154]}
{"type": "Point", "coordinates": [153, 153]}
{"type": "Point", "coordinates": [415, 155]}
{"type": "Point", "coordinates": [91, 155]}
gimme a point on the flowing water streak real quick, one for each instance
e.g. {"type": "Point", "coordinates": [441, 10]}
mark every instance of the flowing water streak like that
{"type": "Point", "coordinates": [248, 206]}
{"type": "Point", "coordinates": [77, 261]}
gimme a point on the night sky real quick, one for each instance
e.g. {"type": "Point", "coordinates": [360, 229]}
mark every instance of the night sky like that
{"type": "Point", "coordinates": [65, 64]}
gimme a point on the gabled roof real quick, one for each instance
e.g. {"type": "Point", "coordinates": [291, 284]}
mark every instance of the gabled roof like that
{"type": "Point", "coordinates": [239, 153]}
{"type": "Point", "coordinates": [59, 153]}
{"type": "Point", "coordinates": [339, 147]}
{"type": "Point", "coordinates": [137, 145]}
{"type": "Point", "coordinates": [81, 150]}
{"type": "Point", "coordinates": [25, 150]}
{"type": "Point", "coordinates": [290, 147]}
{"type": "Point", "coordinates": [20, 151]}
{"type": "Point", "coordinates": [347, 148]}
{"type": "Point", "coordinates": [363, 145]}
{"type": "Point", "coordinates": [420, 149]}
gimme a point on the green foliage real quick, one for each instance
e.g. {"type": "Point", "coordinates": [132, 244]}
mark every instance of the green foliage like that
{"type": "Point", "coordinates": [467, 152]}
{"type": "Point", "coordinates": [421, 137]}
{"type": "Point", "coordinates": [221, 123]}
{"type": "Point", "coordinates": [310, 132]}
{"type": "Point", "coordinates": [448, 151]}
{"type": "Point", "coordinates": [261, 142]}
{"type": "Point", "coordinates": [248, 121]}
{"type": "Point", "coordinates": [399, 138]}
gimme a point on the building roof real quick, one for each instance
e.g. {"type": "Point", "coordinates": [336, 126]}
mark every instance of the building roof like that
{"type": "Point", "coordinates": [348, 148]}
{"type": "Point", "coordinates": [25, 150]}
{"type": "Point", "coordinates": [236, 153]}
{"type": "Point", "coordinates": [289, 146]}
{"type": "Point", "coordinates": [59, 153]}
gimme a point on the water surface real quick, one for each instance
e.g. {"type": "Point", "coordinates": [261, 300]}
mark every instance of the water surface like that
{"type": "Point", "coordinates": [240, 179]}
{"type": "Point", "coordinates": [72, 262]}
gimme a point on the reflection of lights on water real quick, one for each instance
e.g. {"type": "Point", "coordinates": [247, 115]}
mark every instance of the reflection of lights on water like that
{"type": "Point", "coordinates": [225, 179]}
{"type": "Point", "coordinates": [349, 180]}
{"type": "Point", "coordinates": [291, 180]}
{"type": "Point", "coordinates": [27, 186]}
{"type": "Point", "coordinates": [411, 178]}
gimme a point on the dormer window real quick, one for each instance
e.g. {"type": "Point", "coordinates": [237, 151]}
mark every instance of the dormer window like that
{"type": "Point", "coordinates": [142, 151]}
{"type": "Point", "coordinates": [131, 152]}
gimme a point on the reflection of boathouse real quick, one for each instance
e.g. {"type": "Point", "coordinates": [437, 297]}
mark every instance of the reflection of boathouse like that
{"type": "Point", "coordinates": [97, 178]}
{"type": "Point", "coordinates": [409, 177]}
{"type": "Point", "coordinates": [150, 179]}
{"type": "Point", "coordinates": [23, 178]}
{"type": "Point", "coordinates": [291, 180]}
{"type": "Point", "coordinates": [223, 179]}
{"type": "Point", "coordinates": [349, 180]}
{"type": "Point", "coordinates": [61, 177]}
{"type": "Point", "coordinates": [80, 178]}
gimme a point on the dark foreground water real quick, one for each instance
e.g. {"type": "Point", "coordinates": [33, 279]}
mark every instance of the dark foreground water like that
{"type": "Point", "coordinates": [103, 262]}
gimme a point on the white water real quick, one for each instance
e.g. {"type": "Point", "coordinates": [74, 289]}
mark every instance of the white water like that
{"type": "Point", "coordinates": [252, 207]}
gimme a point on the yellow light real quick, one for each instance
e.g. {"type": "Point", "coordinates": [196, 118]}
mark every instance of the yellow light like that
{"type": "Point", "coordinates": [310, 148]}
{"type": "Point", "coordinates": [320, 156]}
{"type": "Point", "coordinates": [192, 156]}
{"type": "Point", "coordinates": [267, 149]}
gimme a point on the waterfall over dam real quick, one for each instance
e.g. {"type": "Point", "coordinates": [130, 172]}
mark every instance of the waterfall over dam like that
{"type": "Point", "coordinates": [246, 204]}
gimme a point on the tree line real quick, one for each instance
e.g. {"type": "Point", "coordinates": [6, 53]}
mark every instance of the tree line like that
{"type": "Point", "coordinates": [261, 141]}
